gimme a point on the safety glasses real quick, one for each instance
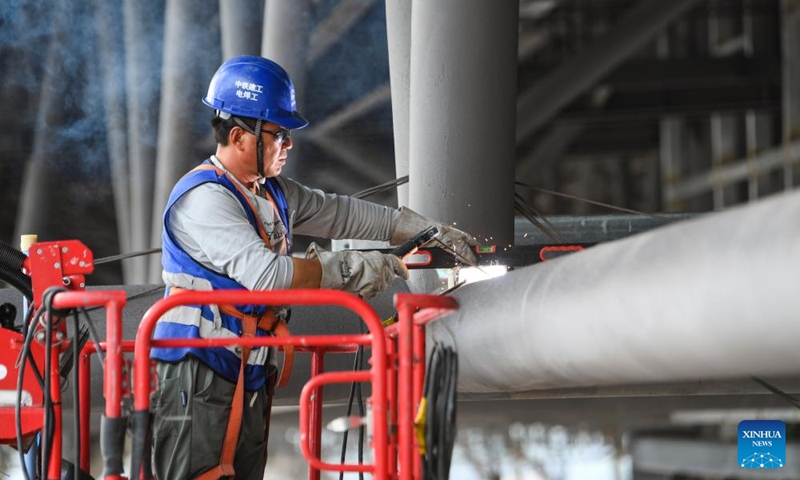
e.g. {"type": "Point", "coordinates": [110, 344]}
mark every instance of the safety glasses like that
{"type": "Point", "coordinates": [281, 135]}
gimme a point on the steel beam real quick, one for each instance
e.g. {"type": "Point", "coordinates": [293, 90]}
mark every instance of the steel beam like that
{"type": "Point", "coordinates": [709, 298]}
{"type": "Point", "coordinates": [592, 228]}
{"type": "Point", "coordinates": [639, 26]}
{"type": "Point", "coordinates": [341, 19]}
{"type": "Point", "coordinates": [704, 459]}
{"type": "Point", "coordinates": [774, 158]}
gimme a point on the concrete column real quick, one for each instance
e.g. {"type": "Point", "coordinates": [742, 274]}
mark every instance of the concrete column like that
{"type": "Point", "coordinates": [398, 32]}
{"type": "Point", "coordinates": [287, 26]}
{"type": "Point", "coordinates": [144, 40]}
{"type": "Point", "coordinates": [182, 126]}
{"type": "Point", "coordinates": [463, 114]}
{"type": "Point", "coordinates": [241, 26]}
{"type": "Point", "coordinates": [790, 47]}
{"type": "Point", "coordinates": [36, 205]}
{"type": "Point", "coordinates": [108, 18]}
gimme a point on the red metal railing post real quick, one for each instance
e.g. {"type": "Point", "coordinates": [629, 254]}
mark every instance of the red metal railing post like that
{"type": "Point", "coordinates": [84, 404]}
{"type": "Point", "coordinates": [315, 429]}
{"type": "Point", "coordinates": [405, 420]}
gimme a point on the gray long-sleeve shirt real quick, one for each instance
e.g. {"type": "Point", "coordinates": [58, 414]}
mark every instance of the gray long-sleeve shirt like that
{"type": "Point", "coordinates": [211, 225]}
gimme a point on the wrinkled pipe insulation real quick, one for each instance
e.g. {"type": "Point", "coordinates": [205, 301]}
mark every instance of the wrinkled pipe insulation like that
{"type": "Point", "coordinates": [712, 297]}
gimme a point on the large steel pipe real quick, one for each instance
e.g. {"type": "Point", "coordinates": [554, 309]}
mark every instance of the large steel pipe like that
{"type": "Point", "coordinates": [712, 297]}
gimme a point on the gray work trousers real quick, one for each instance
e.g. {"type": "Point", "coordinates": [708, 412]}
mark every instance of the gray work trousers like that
{"type": "Point", "coordinates": [191, 409]}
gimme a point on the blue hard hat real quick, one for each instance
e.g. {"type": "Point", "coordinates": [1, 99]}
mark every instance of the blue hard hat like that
{"type": "Point", "coordinates": [254, 87]}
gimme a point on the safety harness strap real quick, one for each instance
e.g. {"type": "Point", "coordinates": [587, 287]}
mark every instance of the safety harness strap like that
{"type": "Point", "coordinates": [270, 323]}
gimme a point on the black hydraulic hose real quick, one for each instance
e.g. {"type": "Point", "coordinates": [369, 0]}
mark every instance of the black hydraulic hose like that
{"type": "Point", "coordinates": [47, 438]}
{"type": "Point", "coordinates": [11, 261]}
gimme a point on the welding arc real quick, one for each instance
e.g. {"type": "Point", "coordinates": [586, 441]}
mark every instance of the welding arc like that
{"type": "Point", "coordinates": [440, 418]}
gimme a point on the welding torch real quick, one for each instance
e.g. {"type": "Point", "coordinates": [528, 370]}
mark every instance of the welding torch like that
{"type": "Point", "coordinates": [408, 248]}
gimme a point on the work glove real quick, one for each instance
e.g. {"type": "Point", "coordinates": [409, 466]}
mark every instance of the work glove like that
{"type": "Point", "coordinates": [363, 273]}
{"type": "Point", "coordinates": [411, 223]}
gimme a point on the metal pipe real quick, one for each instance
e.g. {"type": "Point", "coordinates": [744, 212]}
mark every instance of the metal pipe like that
{"type": "Point", "coordinates": [592, 228]}
{"type": "Point", "coordinates": [713, 297]}
{"type": "Point", "coordinates": [462, 114]}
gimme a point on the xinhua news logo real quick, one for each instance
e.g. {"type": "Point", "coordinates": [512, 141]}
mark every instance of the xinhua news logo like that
{"type": "Point", "coordinates": [762, 444]}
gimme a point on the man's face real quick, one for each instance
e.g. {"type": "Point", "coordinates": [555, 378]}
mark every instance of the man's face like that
{"type": "Point", "coordinates": [277, 143]}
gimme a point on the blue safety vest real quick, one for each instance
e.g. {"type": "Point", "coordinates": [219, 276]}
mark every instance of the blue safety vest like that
{"type": "Point", "coordinates": [210, 323]}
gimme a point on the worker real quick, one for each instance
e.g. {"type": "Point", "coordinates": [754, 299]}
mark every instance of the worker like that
{"type": "Point", "coordinates": [228, 224]}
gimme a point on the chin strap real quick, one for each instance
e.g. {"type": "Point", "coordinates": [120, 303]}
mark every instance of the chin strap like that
{"type": "Point", "coordinates": [259, 149]}
{"type": "Point", "coordinates": [259, 141]}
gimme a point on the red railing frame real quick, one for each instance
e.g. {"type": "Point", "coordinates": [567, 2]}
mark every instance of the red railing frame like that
{"type": "Point", "coordinates": [114, 301]}
{"type": "Point", "coordinates": [395, 393]}
{"type": "Point", "coordinates": [374, 338]}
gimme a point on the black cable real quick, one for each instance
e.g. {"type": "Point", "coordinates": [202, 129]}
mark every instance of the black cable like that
{"type": "Point", "coordinates": [124, 256]}
{"type": "Point", "coordinates": [350, 398]}
{"type": "Point", "coordinates": [440, 395]}
{"type": "Point", "coordinates": [448, 421]}
{"type": "Point", "coordinates": [24, 356]}
{"type": "Point", "coordinates": [381, 188]}
{"type": "Point", "coordinates": [47, 435]}
{"type": "Point", "coordinates": [95, 339]}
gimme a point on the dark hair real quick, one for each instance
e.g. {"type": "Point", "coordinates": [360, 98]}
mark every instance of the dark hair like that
{"type": "Point", "coordinates": [222, 127]}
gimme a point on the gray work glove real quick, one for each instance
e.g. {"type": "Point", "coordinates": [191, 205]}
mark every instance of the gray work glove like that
{"type": "Point", "coordinates": [363, 273]}
{"type": "Point", "coordinates": [411, 223]}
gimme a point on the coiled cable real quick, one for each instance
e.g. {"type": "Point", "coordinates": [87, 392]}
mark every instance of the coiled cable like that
{"type": "Point", "coordinates": [439, 395]}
